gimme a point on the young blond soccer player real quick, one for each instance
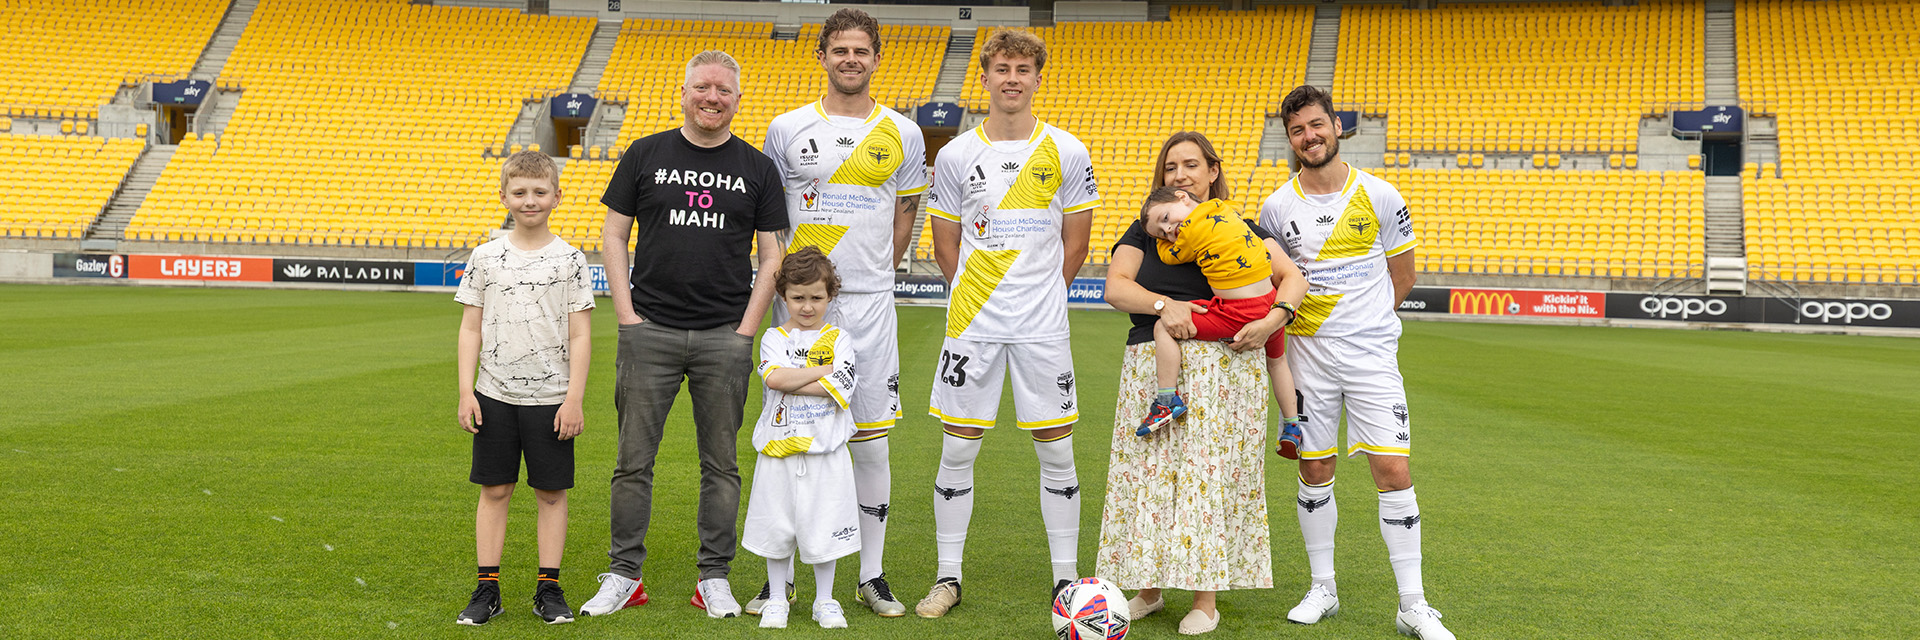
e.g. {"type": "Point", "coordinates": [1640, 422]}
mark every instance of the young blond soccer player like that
{"type": "Point", "coordinates": [1214, 235]}
{"type": "Point", "coordinates": [803, 499]}
{"type": "Point", "coordinates": [524, 348]}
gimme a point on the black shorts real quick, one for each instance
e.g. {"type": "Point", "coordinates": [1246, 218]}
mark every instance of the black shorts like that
{"type": "Point", "coordinates": [506, 432]}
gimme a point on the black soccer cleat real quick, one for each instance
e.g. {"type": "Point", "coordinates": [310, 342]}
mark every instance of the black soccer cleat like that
{"type": "Point", "coordinates": [550, 603]}
{"type": "Point", "coordinates": [1060, 586]}
{"type": "Point", "coordinates": [483, 606]}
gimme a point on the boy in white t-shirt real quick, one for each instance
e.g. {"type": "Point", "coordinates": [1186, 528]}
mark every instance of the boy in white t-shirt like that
{"type": "Point", "coordinates": [803, 499]}
{"type": "Point", "coordinates": [524, 346]}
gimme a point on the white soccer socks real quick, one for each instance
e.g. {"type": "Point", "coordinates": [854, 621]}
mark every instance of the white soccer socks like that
{"type": "Point", "coordinates": [953, 500]}
{"type": "Point", "coordinates": [873, 486]}
{"type": "Point", "coordinates": [1400, 527]}
{"type": "Point", "coordinates": [1060, 504]}
{"type": "Point", "coordinates": [823, 582]}
{"type": "Point", "coordinates": [1318, 518]}
{"type": "Point", "coordinates": [779, 575]}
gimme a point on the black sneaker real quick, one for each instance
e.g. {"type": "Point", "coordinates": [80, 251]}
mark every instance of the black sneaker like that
{"type": "Point", "coordinates": [550, 603]}
{"type": "Point", "coordinates": [1060, 586]}
{"type": "Point", "coordinates": [483, 606]}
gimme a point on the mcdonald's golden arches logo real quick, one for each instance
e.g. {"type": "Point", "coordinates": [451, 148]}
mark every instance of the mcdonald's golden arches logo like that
{"type": "Point", "coordinates": [1488, 303]}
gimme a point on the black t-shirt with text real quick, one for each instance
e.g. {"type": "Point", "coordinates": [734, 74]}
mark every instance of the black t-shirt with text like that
{"type": "Point", "coordinates": [1176, 281]}
{"type": "Point", "coordinates": [695, 212]}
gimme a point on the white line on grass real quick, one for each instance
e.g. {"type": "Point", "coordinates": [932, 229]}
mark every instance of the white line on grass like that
{"type": "Point", "coordinates": [276, 518]}
{"type": "Point", "coordinates": [358, 580]}
{"type": "Point", "coordinates": [207, 491]}
{"type": "Point", "coordinates": [118, 469]}
{"type": "Point", "coordinates": [328, 546]}
{"type": "Point", "coordinates": [18, 451]}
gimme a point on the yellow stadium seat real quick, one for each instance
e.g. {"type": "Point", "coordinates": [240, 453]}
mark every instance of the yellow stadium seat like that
{"type": "Point", "coordinates": [1693, 161]}
{"type": "Point", "coordinates": [1539, 160]}
{"type": "Point", "coordinates": [1391, 159]}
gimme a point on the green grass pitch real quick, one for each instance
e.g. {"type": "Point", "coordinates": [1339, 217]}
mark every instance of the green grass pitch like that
{"type": "Point", "coordinates": [248, 463]}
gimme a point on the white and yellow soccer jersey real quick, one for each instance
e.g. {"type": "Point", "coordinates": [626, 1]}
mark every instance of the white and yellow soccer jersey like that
{"type": "Point", "coordinates": [1010, 198]}
{"type": "Point", "coordinates": [792, 423]}
{"type": "Point", "coordinates": [1341, 241]}
{"type": "Point", "coordinates": [842, 177]}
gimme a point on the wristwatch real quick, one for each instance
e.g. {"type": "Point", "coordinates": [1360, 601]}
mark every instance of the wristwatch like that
{"type": "Point", "coordinates": [1292, 313]}
{"type": "Point", "coordinates": [1159, 305]}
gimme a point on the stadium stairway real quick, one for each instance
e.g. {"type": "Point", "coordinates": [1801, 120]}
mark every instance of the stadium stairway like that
{"type": "Point", "coordinates": [1724, 228]}
{"type": "Point", "coordinates": [214, 57]}
{"type": "Point", "coordinates": [112, 225]}
{"type": "Point", "coordinates": [953, 68]}
{"type": "Point", "coordinates": [594, 64]}
{"type": "Point", "coordinates": [1326, 46]}
{"type": "Point", "coordinates": [1721, 65]}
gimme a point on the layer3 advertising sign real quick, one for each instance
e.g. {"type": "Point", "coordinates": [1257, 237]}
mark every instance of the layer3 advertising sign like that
{"type": "Point", "coordinates": [1528, 302]}
{"type": "Point", "coordinates": [208, 268]}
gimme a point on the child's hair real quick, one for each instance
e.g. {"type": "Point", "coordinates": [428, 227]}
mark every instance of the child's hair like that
{"type": "Point", "coordinates": [529, 164]}
{"type": "Point", "coordinates": [1159, 196]}
{"type": "Point", "coordinates": [807, 266]}
{"type": "Point", "coordinates": [1014, 43]}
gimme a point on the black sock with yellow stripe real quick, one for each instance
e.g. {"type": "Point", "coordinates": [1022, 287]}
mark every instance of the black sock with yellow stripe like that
{"type": "Point", "coordinates": [549, 574]}
{"type": "Point", "coordinates": [490, 575]}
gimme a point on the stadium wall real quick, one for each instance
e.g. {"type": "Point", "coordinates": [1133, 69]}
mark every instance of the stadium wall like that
{"type": "Point", "coordinates": [1472, 304]}
{"type": "Point", "coordinates": [788, 13]}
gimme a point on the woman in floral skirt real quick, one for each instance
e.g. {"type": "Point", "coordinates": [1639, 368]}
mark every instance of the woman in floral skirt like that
{"type": "Point", "coordinates": [1186, 507]}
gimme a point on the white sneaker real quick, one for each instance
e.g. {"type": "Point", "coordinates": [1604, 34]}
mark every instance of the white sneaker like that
{"type": "Point", "coordinates": [1422, 622]}
{"type": "Point", "coordinates": [616, 593]}
{"type": "Point", "coordinates": [1318, 604]}
{"type": "Point", "coordinates": [716, 596]}
{"type": "Point", "coordinates": [829, 615]}
{"type": "Point", "coordinates": [774, 615]}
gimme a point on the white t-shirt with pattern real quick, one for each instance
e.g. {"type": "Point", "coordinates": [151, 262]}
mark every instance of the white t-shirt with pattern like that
{"type": "Point", "coordinates": [524, 298]}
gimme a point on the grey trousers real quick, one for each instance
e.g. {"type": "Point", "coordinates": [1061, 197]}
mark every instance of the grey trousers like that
{"type": "Point", "coordinates": [650, 363]}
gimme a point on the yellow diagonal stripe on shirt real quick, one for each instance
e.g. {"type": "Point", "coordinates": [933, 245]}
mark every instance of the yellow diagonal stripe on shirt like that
{"type": "Point", "coordinates": [825, 236]}
{"type": "Point", "coordinates": [1357, 230]}
{"type": "Point", "coordinates": [1313, 311]}
{"type": "Point", "coordinates": [1038, 180]}
{"type": "Point", "coordinates": [874, 160]}
{"type": "Point", "coordinates": [788, 446]}
{"type": "Point", "coordinates": [981, 276]}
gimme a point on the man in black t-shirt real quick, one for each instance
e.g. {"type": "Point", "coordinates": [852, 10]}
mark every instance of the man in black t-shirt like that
{"type": "Point", "coordinates": [700, 198]}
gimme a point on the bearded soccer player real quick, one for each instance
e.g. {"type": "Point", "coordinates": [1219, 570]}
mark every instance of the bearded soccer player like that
{"type": "Point", "coordinates": [854, 172]}
{"type": "Point", "coordinates": [1011, 209]}
{"type": "Point", "coordinates": [1352, 235]}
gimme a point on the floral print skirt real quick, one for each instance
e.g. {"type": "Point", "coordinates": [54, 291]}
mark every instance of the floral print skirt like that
{"type": "Point", "coordinates": [1187, 507]}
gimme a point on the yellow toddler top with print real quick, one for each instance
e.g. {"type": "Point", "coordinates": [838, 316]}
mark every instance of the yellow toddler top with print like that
{"type": "Point", "coordinates": [1222, 242]}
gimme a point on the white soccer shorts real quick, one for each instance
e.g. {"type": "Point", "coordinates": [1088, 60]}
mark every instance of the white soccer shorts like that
{"type": "Point", "coordinates": [966, 383]}
{"type": "Point", "coordinates": [875, 327]}
{"type": "Point", "coordinates": [805, 503]}
{"type": "Point", "coordinates": [1361, 376]}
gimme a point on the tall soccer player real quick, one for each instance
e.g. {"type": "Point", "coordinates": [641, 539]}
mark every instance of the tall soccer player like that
{"type": "Point", "coordinates": [854, 172]}
{"type": "Point", "coordinates": [1352, 235]}
{"type": "Point", "coordinates": [1011, 208]}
